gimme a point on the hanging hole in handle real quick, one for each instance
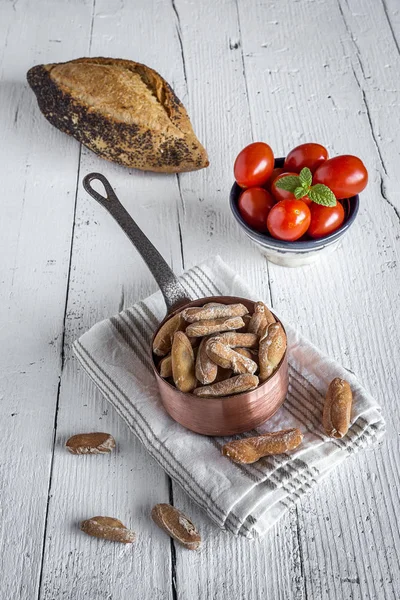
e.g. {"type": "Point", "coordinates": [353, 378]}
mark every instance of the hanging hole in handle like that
{"type": "Point", "coordinates": [87, 184]}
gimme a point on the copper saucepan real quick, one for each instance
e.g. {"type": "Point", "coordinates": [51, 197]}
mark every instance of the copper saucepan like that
{"type": "Point", "coordinates": [208, 416]}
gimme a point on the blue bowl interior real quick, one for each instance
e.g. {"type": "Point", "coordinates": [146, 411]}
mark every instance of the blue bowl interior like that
{"type": "Point", "coordinates": [350, 205]}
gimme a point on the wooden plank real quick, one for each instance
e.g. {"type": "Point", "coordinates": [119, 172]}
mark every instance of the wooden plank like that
{"type": "Point", "coordinates": [216, 98]}
{"type": "Point", "coordinates": [125, 484]}
{"type": "Point", "coordinates": [375, 69]}
{"type": "Point", "coordinates": [311, 86]}
{"type": "Point", "coordinates": [37, 199]}
{"type": "Point", "coordinates": [340, 541]}
{"type": "Point", "coordinates": [212, 81]}
{"type": "Point", "coordinates": [107, 274]}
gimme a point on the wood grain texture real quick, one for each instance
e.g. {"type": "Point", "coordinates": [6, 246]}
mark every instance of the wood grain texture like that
{"type": "Point", "coordinates": [222, 104]}
{"type": "Point", "coordinates": [107, 274]}
{"type": "Point", "coordinates": [242, 75]}
{"type": "Point", "coordinates": [340, 303]}
{"type": "Point", "coordinates": [39, 170]}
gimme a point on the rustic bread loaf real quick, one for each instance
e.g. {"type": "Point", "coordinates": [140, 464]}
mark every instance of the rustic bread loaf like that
{"type": "Point", "coordinates": [120, 109]}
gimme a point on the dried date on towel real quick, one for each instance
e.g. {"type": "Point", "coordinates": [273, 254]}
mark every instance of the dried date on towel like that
{"type": "Point", "coordinates": [337, 408]}
{"type": "Point", "coordinates": [250, 450]}
{"type": "Point", "coordinates": [90, 443]}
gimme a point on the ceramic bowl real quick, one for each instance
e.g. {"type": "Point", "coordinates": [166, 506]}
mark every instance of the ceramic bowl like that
{"type": "Point", "coordinates": [302, 252]}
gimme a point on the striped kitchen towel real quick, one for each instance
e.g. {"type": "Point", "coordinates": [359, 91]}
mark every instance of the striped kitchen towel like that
{"type": "Point", "coordinates": [244, 499]}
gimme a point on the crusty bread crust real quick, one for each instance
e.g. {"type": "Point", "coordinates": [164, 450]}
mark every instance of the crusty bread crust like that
{"type": "Point", "coordinates": [122, 110]}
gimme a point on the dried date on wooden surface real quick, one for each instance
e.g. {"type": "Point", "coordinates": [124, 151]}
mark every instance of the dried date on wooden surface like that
{"type": "Point", "coordinates": [90, 443]}
{"type": "Point", "coordinates": [337, 408]}
{"type": "Point", "coordinates": [177, 525]}
{"type": "Point", "coordinates": [108, 528]}
{"type": "Point", "coordinates": [249, 450]}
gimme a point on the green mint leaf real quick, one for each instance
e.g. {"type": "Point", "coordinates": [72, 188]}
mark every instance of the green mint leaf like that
{"type": "Point", "coordinates": [321, 194]}
{"type": "Point", "coordinates": [305, 177]}
{"type": "Point", "coordinates": [288, 183]}
{"type": "Point", "coordinates": [300, 192]}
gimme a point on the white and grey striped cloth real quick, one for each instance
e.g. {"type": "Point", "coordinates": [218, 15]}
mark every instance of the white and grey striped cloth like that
{"type": "Point", "coordinates": [244, 499]}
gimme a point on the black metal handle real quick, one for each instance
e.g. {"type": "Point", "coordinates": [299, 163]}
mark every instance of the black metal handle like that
{"type": "Point", "coordinates": [171, 288]}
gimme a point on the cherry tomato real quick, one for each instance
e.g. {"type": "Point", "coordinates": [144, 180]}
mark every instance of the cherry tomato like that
{"type": "Point", "coordinates": [280, 194]}
{"type": "Point", "coordinates": [254, 165]}
{"type": "Point", "coordinates": [277, 171]}
{"type": "Point", "coordinates": [254, 206]}
{"type": "Point", "coordinates": [306, 155]}
{"type": "Point", "coordinates": [345, 175]}
{"type": "Point", "coordinates": [325, 219]}
{"type": "Point", "coordinates": [288, 220]}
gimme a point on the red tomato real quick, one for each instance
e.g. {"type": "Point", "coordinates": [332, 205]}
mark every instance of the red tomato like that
{"type": "Point", "coordinates": [277, 171]}
{"type": "Point", "coordinates": [280, 194]}
{"type": "Point", "coordinates": [345, 175]}
{"type": "Point", "coordinates": [325, 219]}
{"type": "Point", "coordinates": [289, 220]}
{"type": "Point", "coordinates": [254, 206]}
{"type": "Point", "coordinates": [254, 165]}
{"type": "Point", "coordinates": [306, 155]}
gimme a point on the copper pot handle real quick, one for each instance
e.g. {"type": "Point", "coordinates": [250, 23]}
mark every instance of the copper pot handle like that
{"type": "Point", "coordinates": [171, 288]}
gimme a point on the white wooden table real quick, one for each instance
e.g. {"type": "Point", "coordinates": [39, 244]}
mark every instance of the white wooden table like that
{"type": "Point", "coordinates": [280, 71]}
